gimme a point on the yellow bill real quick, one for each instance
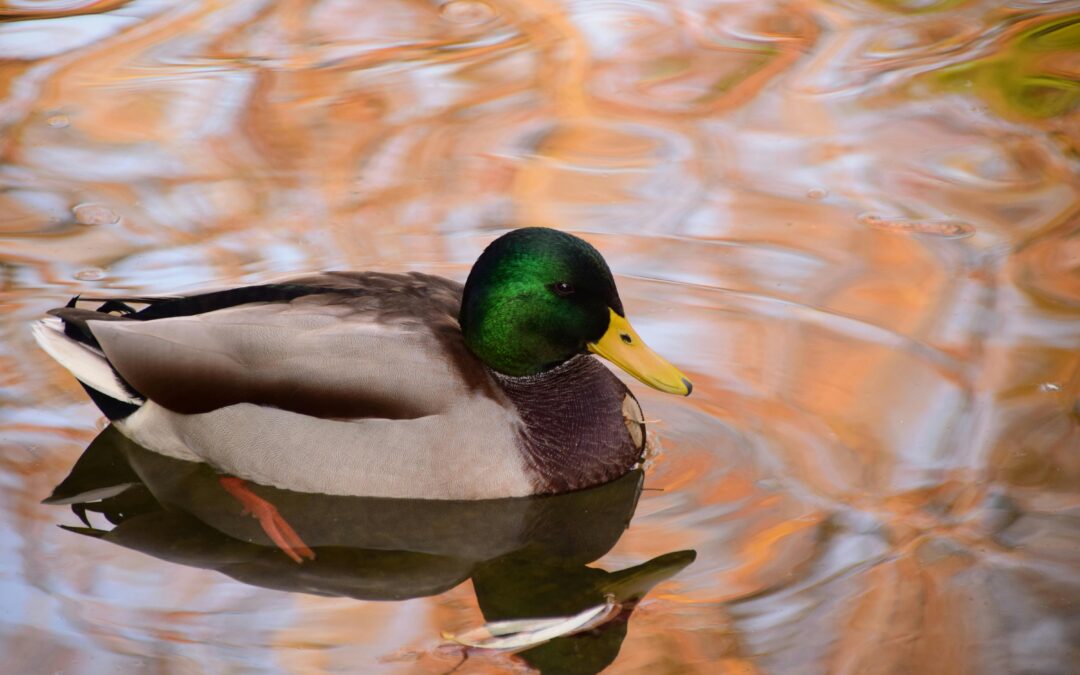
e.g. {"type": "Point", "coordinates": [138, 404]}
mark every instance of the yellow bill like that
{"type": "Point", "coordinates": [622, 346]}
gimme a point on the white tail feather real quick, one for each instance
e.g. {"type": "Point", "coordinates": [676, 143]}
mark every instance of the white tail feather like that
{"type": "Point", "coordinates": [83, 361]}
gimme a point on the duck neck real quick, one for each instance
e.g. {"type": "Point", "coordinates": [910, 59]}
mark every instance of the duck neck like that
{"type": "Point", "coordinates": [582, 426]}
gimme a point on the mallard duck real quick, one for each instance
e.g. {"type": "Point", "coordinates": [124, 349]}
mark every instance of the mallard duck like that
{"type": "Point", "coordinates": [383, 385]}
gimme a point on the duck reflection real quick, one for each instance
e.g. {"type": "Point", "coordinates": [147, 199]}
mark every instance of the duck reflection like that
{"type": "Point", "coordinates": [527, 557]}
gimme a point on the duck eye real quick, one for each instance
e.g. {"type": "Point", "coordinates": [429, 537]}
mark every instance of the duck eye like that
{"type": "Point", "coordinates": [563, 288]}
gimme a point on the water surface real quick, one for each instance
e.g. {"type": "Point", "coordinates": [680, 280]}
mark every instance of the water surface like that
{"type": "Point", "coordinates": [854, 224]}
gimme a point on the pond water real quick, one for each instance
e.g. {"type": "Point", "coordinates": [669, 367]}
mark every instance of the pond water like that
{"type": "Point", "coordinates": [854, 224]}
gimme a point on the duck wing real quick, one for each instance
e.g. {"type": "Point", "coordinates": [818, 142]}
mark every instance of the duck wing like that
{"type": "Point", "coordinates": [335, 345]}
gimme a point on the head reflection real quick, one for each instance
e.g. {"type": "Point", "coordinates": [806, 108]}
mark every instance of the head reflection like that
{"type": "Point", "coordinates": [527, 557]}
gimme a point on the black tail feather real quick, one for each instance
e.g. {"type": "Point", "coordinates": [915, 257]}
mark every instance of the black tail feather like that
{"type": "Point", "coordinates": [116, 306]}
{"type": "Point", "coordinates": [75, 326]}
{"type": "Point", "coordinates": [109, 406]}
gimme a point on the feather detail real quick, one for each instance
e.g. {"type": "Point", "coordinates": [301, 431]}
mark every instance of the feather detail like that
{"type": "Point", "coordinates": [85, 362]}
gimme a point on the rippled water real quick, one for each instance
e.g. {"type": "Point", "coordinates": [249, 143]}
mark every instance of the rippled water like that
{"type": "Point", "coordinates": [854, 224]}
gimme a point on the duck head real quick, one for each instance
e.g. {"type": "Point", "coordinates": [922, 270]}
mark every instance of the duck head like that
{"type": "Point", "coordinates": [537, 297]}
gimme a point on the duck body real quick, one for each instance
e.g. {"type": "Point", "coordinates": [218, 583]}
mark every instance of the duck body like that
{"type": "Point", "coordinates": [345, 383]}
{"type": "Point", "coordinates": [382, 385]}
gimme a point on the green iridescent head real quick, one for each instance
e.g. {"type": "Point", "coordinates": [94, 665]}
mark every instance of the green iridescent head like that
{"type": "Point", "coordinates": [537, 297]}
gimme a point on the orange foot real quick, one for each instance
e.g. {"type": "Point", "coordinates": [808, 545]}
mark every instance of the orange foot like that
{"type": "Point", "coordinates": [275, 527]}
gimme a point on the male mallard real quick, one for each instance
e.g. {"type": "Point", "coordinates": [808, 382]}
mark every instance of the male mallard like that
{"type": "Point", "coordinates": [383, 385]}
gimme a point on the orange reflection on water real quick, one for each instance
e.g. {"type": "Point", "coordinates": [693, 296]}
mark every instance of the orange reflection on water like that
{"type": "Point", "coordinates": [854, 225]}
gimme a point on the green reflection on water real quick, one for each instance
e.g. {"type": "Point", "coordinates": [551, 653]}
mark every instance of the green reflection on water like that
{"type": "Point", "coordinates": [1029, 78]}
{"type": "Point", "coordinates": [917, 6]}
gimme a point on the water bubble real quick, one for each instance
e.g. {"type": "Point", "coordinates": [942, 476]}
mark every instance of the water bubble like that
{"type": "Point", "coordinates": [90, 274]}
{"type": "Point", "coordinates": [94, 214]}
{"type": "Point", "coordinates": [467, 12]}
{"type": "Point", "coordinates": [817, 194]}
{"type": "Point", "coordinates": [1049, 387]}
{"type": "Point", "coordinates": [946, 228]}
{"type": "Point", "coordinates": [59, 121]}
